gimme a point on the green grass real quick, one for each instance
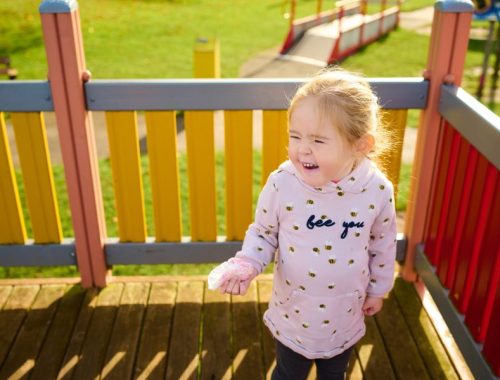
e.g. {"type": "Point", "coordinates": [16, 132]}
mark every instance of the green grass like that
{"type": "Point", "coordinates": [412, 5]}
{"type": "Point", "coordinates": [150, 39]}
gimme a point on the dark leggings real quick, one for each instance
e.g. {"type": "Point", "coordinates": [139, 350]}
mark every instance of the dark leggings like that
{"type": "Point", "coordinates": [293, 366]}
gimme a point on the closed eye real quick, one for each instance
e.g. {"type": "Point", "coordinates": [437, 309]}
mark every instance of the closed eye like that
{"type": "Point", "coordinates": [295, 137]}
{"type": "Point", "coordinates": [319, 141]}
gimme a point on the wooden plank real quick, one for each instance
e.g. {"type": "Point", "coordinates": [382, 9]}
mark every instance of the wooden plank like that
{"type": "Point", "coordinates": [274, 141]}
{"type": "Point", "coordinates": [183, 357]}
{"type": "Point", "coordinates": [74, 346]}
{"type": "Point", "coordinates": [372, 355]}
{"type": "Point", "coordinates": [13, 314]}
{"type": "Point", "coordinates": [32, 146]}
{"type": "Point", "coordinates": [467, 255]}
{"type": "Point", "coordinates": [216, 347]}
{"type": "Point", "coordinates": [4, 294]}
{"type": "Point", "coordinates": [458, 209]}
{"type": "Point", "coordinates": [39, 281]}
{"type": "Point", "coordinates": [443, 255]}
{"type": "Point", "coordinates": [394, 122]}
{"type": "Point", "coordinates": [438, 196]}
{"type": "Point", "coordinates": [238, 149]}
{"type": "Point", "coordinates": [199, 126]}
{"type": "Point", "coordinates": [483, 295]}
{"type": "Point", "coordinates": [98, 334]}
{"type": "Point", "coordinates": [122, 346]}
{"type": "Point", "coordinates": [24, 351]}
{"type": "Point", "coordinates": [164, 174]}
{"type": "Point", "coordinates": [151, 360]}
{"type": "Point", "coordinates": [247, 363]}
{"type": "Point", "coordinates": [265, 289]}
{"type": "Point", "coordinates": [127, 178]}
{"type": "Point", "coordinates": [428, 343]}
{"type": "Point", "coordinates": [490, 349]}
{"type": "Point", "coordinates": [407, 362]}
{"type": "Point", "coordinates": [354, 369]}
{"type": "Point", "coordinates": [12, 228]}
{"type": "Point", "coordinates": [59, 334]}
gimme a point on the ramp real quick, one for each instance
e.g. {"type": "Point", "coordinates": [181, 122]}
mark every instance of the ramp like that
{"type": "Point", "coordinates": [337, 36]}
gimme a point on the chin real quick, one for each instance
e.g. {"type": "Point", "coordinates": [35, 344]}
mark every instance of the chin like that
{"type": "Point", "coordinates": [315, 183]}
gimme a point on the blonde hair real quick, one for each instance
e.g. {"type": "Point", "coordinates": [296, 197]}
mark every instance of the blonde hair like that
{"type": "Point", "coordinates": [346, 100]}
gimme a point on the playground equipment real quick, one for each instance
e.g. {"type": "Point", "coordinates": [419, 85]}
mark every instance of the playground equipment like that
{"type": "Point", "coordinates": [450, 245]}
{"type": "Point", "coordinates": [489, 10]}
{"type": "Point", "coordinates": [330, 36]}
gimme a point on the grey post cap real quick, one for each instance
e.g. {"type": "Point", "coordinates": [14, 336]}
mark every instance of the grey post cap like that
{"type": "Point", "coordinates": [454, 6]}
{"type": "Point", "coordinates": [58, 6]}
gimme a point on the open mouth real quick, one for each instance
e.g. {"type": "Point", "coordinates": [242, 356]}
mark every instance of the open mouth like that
{"type": "Point", "coordinates": [309, 166]}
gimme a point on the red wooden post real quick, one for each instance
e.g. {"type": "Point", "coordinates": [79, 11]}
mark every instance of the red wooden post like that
{"type": "Point", "coordinates": [66, 61]}
{"type": "Point", "coordinates": [335, 55]}
{"type": "Point", "coordinates": [382, 18]}
{"type": "Point", "coordinates": [448, 45]}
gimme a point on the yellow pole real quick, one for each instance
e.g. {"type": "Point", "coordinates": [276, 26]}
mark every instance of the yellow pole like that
{"type": "Point", "coordinates": [319, 6]}
{"type": "Point", "coordinates": [199, 126]}
{"type": "Point", "coordinates": [206, 58]}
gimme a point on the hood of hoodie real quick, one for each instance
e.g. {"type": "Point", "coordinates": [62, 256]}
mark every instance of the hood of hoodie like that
{"type": "Point", "coordinates": [355, 182]}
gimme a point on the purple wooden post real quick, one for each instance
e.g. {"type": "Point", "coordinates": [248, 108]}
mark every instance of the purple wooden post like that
{"type": "Point", "coordinates": [65, 57]}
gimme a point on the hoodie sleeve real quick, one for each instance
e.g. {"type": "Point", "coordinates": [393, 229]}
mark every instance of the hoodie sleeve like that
{"type": "Point", "coordinates": [382, 249]}
{"type": "Point", "coordinates": [261, 238]}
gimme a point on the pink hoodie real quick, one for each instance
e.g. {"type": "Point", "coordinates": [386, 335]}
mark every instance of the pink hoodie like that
{"type": "Point", "coordinates": [334, 246]}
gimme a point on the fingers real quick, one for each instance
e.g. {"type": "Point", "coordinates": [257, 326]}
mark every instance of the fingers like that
{"type": "Point", "coordinates": [244, 287]}
{"type": "Point", "coordinates": [369, 311]}
{"type": "Point", "coordinates": [231, 286]}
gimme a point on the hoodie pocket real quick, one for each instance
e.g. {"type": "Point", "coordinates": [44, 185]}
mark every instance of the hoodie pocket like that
{"type": "Point", "coordinates": [320, 316]}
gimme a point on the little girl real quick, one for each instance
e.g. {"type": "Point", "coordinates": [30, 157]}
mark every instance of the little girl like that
{"type": "Point", "coordinates": [327, 218]}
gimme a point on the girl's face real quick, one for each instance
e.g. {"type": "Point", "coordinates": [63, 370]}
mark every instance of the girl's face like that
{"type": "Point", "coordinates": [317, 150]}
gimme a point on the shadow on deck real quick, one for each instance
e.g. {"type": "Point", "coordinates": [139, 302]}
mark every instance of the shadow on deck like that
{"type": "Point", "coordinates": [174, 328]}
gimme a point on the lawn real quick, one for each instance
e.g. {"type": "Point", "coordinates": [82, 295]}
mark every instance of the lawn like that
{"type": "Point", "coordinates": [150, 39]}
{"type": "Point", "coordinates": [155, 39]}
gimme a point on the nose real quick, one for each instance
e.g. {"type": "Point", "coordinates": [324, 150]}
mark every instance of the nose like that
{"type": "Point", "coordinates": [304, 148]}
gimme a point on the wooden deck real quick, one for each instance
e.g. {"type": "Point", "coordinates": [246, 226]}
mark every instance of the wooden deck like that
{"type": "Point", "coordinates": [175, 328]}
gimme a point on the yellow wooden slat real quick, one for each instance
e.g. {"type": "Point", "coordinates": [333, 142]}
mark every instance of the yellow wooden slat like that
{"type": "Point", "coordinates": [206, 58]}
{"type": "Point", "coordinates": [127, 177]}
{"type": "Point", "coordinates": [199, 126]}
{"type": "Point", "coordinates": [164, 174]}
{"type": "Point", "coordinates": [12, 230]}
{"type": "Point", "coordinates": [390, 161]}
{"type": "Point", "coordinates": [275, 141]}
{"type": "Point", "coordinates": [32, 146]}
{"type": "Point", "coordinates": [238, 145]}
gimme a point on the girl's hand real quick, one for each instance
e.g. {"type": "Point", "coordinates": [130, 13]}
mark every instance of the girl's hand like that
{"type": "Point", "coordinates": [372, 305]}
{"type": "Point", "coordinates": [235, 286]}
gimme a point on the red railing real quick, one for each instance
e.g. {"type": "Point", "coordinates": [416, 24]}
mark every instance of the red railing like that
{"type": "Point", "coordinates": [463, 235]}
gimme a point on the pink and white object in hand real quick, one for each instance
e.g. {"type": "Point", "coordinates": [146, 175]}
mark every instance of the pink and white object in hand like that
{"type": "Point", "coordinates": [233, 269]}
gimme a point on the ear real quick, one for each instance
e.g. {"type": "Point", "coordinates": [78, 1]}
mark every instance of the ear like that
{"type": "Point", "coordinates": [365, 144]}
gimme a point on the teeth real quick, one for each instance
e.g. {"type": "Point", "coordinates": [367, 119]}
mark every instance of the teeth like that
{"type": "Point", "coordinates": [307, 165]}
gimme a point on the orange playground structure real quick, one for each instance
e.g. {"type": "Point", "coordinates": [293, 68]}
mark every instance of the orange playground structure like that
{"type": "Point", "coordinates": [331, 35]}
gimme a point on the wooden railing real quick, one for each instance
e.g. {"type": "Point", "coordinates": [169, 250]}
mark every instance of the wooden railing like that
{"type": "Point", "coordinates": [453, 211]}
{"type": "Point", "coordinates": [160, 99]}
{"type": "Point", "coordinates": [462, 241]}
